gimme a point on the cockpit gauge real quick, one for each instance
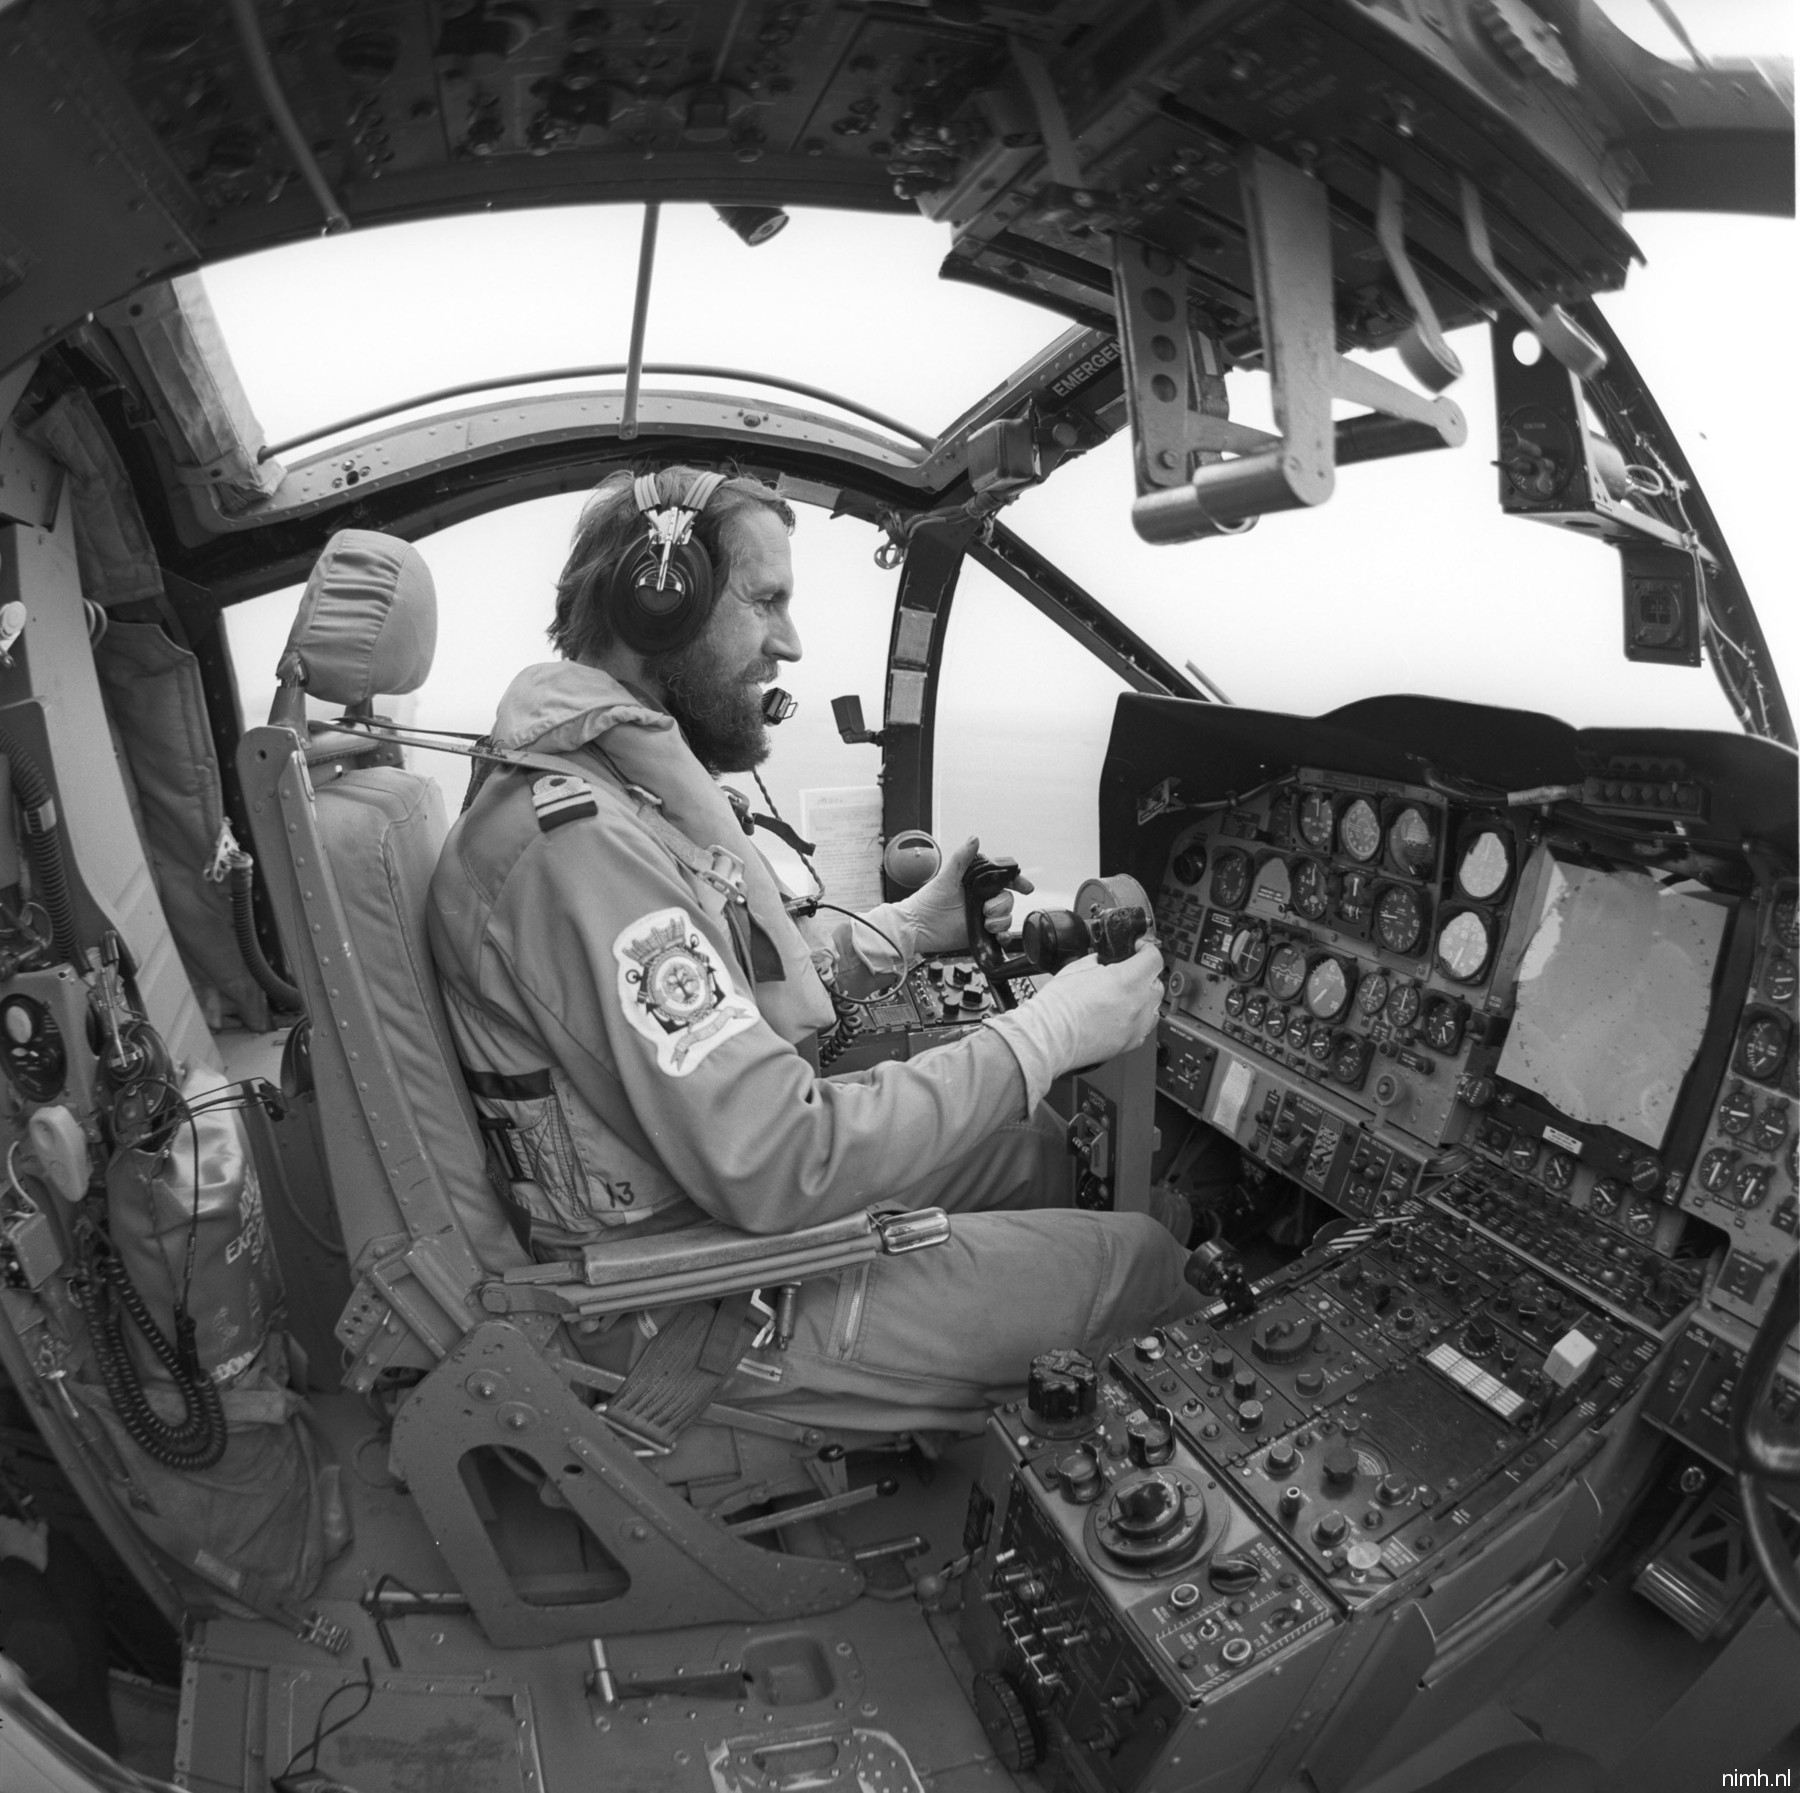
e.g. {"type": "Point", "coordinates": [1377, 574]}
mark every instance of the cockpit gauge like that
{"type": "Point", "coordinates": [1771, 1127]}
{"type": "Point", "coordinates": [1234, 1001]}
{"type": "Point", "coordinates": [1464, 945]}
{"type": "Point", "coordinates": [1442, 1024]}
{"type": "Point", "coordinates": [1559, 1171]}
{"type": "Point", "coordinates": [32, 1049]}
{"type": "Point", "coordinates": [1248, 952]}
{"type": "Point", "coordinates": [1281, 816]}
{"type": "Point", "coordinates": [1400, 919]}
{"type": "Point", "coordinates": [1403, 1005]}
{"type": "Point", "coordinates": [1189, 865]}
{"type": "Point", "coordinates": [1256, 1008]}
{"type": "Point", "coordinates": [1412, 841]}
{"type": "Point", "coordinates": [1485, 866]}
{"type": "Point", "coordinates": [1277, 1022]}
{"type": "Point", "coordinates": [1779, 981]}
{"type": "Point", "coordinates": [1372, 994]}
{"type": "Point", "coordinates": [1350, 1059]}
{"type": "Point", "coordinates": [1297, 1030]}
{"type": "Point", "coordinates": [1522, 1154]}
{"type": "Point", "coordinates": [1327, 989]}
{"type": "Point", "coordinates": [1287, 971]}
{"type": "Point", "coordinates": [1763, 1046]}
{"type": "Point", "coordinates": [1786, 920]}
{"type": "Point", "coordinates": [1318, 1043]}
{"type": "Point", "coordinates": [1311, 893]}
{"type": "Point", "coordinates": [1359, 830]}
{"type": "Point", "coordinates": [1317, 821]}
{"type": "Point", "coordinates": [1231, 878]}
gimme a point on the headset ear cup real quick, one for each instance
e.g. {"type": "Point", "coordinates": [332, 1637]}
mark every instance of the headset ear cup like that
{"type": "Point", "coordinates": [653, 621]}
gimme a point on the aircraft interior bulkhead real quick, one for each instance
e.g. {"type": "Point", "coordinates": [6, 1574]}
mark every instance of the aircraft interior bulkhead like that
{"type": "Point", "coordinates": [1475, 1465]}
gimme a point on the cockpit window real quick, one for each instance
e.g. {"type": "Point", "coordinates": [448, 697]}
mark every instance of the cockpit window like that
{"type": "Point", "coordinates": [1705, 30]}
{"type": "Point", "coordinates": [322, 331]}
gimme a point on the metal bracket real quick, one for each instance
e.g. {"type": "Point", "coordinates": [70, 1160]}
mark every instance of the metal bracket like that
{"type": "Point", "coordinates": [678, 1566]}
{"type": "Point", "coordinates": [1427, 357]}
{"type": "Point", "coordinates": [1554, 328]}
{"type": "Point", "coordinates": [1289, 219]}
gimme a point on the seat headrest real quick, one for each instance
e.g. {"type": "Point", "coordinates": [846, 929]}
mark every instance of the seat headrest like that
{"type": "Point", "coordinates": [367, 625]}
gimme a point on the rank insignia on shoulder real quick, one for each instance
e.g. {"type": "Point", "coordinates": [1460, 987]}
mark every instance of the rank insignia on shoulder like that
{"type": "Point", "coordinates": [560, 797]}
{"type": "Point", "coordinates": [675, 990]}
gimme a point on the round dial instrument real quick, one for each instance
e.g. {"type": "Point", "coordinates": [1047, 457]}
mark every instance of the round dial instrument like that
{"type": "Point", "coordinates": [1276, 1022]}
{"type": "Point", "coordinates": [1412, 841]}
{"type": "Point", "coordinates": [1311, 895]}
{"type": "Point", "coordinates": [1359, 830]}
{"type": "Point", "coordinates": [1327, 989]}
{"type": "Point", "coordinates": [1559, 1171]}
{"type": "Point", "coordinates": [1372, 994]}
{"type": "Point", "coordinates": [1349, 1058]}
{"type": "Point", "coordinates": [1443, 1025]}
{"type": "Point", "coordinates": [1485, 866]}
{"type": "Point", "coordinates": [1318, 1043]}
{"type": "Point", "coordinates": [1234, 1001]}
{"type": "Point", "coordinates": [1400, 919]}
{"type": "Point", "coordinates": [1189, 865]}
{"type": "Point", "coordinates": [1780, 981]}
{"type": "Point", "coordinates": [1231, 879]}
{"type": "Point", "coordinates": [31, 1048]}
{"type": "Point", "coordinates": [1297, 1029]}
{"type": "Point", "coordinates": [1287, 971]}
{"type": "Point", "coordinates": [1764, 1042]}
{"type": "Point", "coordinates": [1248, 952]}
{"type": "Point", "coordinates": [1316, 821]}
{"type": "Point", "coordinates": [1463, 946]}
{"type": "Point", "coordinates": [1403, 1005]}
{"type": "Point", "coordinates": [1256, 1008]}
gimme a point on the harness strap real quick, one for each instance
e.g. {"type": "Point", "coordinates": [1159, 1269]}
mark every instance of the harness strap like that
{"type": "Point", "coordinates": [679, 1376]}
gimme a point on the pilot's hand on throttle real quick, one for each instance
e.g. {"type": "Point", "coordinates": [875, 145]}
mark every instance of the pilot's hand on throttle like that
{"type": "Point", "coordinates": [1111, 1007]}
{"type": "Point", "coordinates": [936, 909]}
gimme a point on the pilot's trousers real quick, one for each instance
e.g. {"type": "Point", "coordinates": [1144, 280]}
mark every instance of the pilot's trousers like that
{"type": "Point", "coordinates": [932, 1339]}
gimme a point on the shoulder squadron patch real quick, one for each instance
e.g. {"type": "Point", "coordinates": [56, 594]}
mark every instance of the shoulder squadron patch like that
{"type": "Point", "coordinates": [675, 990]}
{"type": "Point", "coordinates": [560, 797]}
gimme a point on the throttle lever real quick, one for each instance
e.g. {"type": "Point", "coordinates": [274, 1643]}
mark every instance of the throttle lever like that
{"type": "Point", "coordinates": [983, 879]}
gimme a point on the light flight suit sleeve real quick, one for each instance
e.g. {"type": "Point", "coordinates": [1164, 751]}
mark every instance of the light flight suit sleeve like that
{"type": "Point", "coordinates": [633, 983]}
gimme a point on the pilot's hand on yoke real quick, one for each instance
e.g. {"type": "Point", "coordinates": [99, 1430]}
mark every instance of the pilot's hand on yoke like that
{"type": "Point", "coordinates": [936, 908]}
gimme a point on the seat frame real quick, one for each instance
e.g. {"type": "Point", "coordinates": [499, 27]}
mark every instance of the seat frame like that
{"type": "Point", "coordinates": [422, 1304]}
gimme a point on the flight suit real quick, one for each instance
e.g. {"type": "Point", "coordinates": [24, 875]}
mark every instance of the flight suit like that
{"type": "Point", "coordinates": [625, 989]}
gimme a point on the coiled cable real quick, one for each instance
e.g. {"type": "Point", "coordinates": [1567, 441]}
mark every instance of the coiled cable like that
{"type": "Point", "coordinates": [198, 1441]}
{"type": "Point", "coordinates": [243, 922]}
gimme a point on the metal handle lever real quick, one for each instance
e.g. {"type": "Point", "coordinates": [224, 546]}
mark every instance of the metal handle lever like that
{"type": "Point", "coordinates": [899, 1233]}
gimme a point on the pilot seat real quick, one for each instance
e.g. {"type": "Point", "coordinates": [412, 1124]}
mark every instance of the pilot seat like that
{"type": "Point", "coordinates": [473, 1346]}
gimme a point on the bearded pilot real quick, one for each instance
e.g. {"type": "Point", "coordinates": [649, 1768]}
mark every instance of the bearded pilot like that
{"type": "Point", "coordinates": [637, 1012]}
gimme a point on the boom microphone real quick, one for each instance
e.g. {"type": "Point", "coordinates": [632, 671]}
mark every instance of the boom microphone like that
{"type": "Point", "coordinates": [777, 705]}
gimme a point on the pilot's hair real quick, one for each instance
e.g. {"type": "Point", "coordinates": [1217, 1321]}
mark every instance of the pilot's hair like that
{"type": "Point", "coordinates": [610, 527]}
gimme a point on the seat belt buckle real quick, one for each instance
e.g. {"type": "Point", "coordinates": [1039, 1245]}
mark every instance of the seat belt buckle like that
{"type": "Point", "coordinates": [914, 1231]}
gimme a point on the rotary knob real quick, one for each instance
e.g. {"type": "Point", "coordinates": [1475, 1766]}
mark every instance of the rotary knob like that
{"type": "Point", "coordinates": [1243, 1384]}
{"type": "Point", "coordinates": [1006, 1720]}
{"type": "Point", "coordinates": [1309, 1382]}
{"type": "Point", "coordinates": [1350, 1275]}
{"type": "Point", "coordinates": [1393, 1490]}
{"type": "Point", "coordinates": [1250, 1415]}
{"type": "Point", "coordinates": [1282, 1457]}
{"type": "Point", "coordinates": [1340, 1466]}
{"type": "Point", "coordinates": [1479, 1335]}
{"type": "Point", "coordinates": [1061, 1386]}
{"type": "Point", "coordinates": [1284, 1340]}
{"type": "Point", "coordinates": [1406, 1319]}
{"type": "Point", "coordinates": [1148, 1349]}
{"type": "Point", "coordinates": [1149, 1443]}
{"type": "Point", "coordinates": [1331, 1530]}
{"type": "Point", "coordinates": [1220, 1365]}
{"type": "Point", "coordinates": [1529, 43]}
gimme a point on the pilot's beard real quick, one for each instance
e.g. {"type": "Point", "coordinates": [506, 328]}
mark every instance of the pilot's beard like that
{"type": "Point", "coordinates": [719, 711]}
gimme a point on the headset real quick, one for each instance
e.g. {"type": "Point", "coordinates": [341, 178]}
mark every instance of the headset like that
{"type": "Point", "coordinates": [660, 592]}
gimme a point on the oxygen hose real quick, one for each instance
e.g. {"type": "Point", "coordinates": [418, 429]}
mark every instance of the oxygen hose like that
{"type": "Point", "coordinates": [198, 1442]}
{"type": "Point", "coordinates": [243, 921]}
{"type": "Point", "coordinates": [43, 841]}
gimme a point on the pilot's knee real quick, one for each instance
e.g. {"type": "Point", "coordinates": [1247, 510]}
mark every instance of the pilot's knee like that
{"type": "Point", "coordinates": [1143, 1283]}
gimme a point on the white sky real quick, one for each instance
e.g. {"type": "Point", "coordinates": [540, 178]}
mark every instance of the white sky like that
{"type": "Point", "coordinates": [1408, 580]}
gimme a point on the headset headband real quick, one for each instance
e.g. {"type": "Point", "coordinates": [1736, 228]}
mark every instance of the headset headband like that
{"type": "Point", "coordinates": [672, 521]}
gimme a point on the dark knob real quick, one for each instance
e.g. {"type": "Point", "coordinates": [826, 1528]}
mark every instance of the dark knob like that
{"type": "Point", "coordinates": [1284, 1340]}
{"type": "Point", "coordinates": [1149, 1442]}
{"type": "Point", "coordinates": [1340, 1465]}
{"type": "Point", "coordinates": [1282, 1457]}
{"type": "Point", "coordinates": [1149, 1349]}
{"type": "Point", "coordinates": [1007, 1721]}
{"type": "Point", "coordinates": [1080, 1477]}
{"type": "Point", "coordinates": [1243, 1384]}
{"type": "Point", "coordinates": [1061, 1386]}
{"type": "Point", "coordinates": [1450, 1281]}
{"type": "Point", "coordinates": [1220, 1365]}
{"type": "Point", "coordinates": [1382, 1296]}
{"type": "Point", "coordinates": [1331, 1529]}
{"type": "Point", "coordinates": [1646, 1173]}
{"type": "Point", "coordinates": [1292, 1500]}
{"type": "Point", "coordinates": [1391, 1490]}
{"type": "Point", "coordinates": [1479, 1335]}
{"type": "Point", "coordinates": [1250, 1415]}
{"type": "Point", "coordinates": [1350, 1275]}
{"type": "Point", "coordinates": [1309, 1382]}
{"type": "Point", "coordinates": [1406, 1319]}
